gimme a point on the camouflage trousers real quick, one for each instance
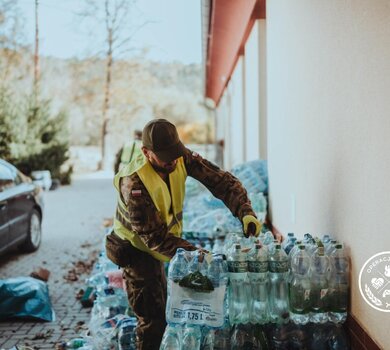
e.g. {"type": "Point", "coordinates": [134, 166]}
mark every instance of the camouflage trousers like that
{"type": "Point", "coordinates": [147, 293]}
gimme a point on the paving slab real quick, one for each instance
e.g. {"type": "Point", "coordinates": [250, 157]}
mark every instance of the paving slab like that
{"type": "Point", "coordinates": [73, 232]}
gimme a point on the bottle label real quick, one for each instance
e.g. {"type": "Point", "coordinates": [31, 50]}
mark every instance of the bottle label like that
{"type": "Point", "coordinates": [186, 306]}
{"type": "Point", "coordinates": [258, 266]}
{"type": "Point", "coordinates": [323, 293]}
{"type": "Point", "coordinates": [278, 266]}
{"type": "Point", "coordinates": [307, 294]}
{"type": "Point", "coordinates": [237, 266]}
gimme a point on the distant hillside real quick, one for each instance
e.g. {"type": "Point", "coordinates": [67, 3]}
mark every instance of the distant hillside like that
{"type": "Point", "coordinates": [140, 90]}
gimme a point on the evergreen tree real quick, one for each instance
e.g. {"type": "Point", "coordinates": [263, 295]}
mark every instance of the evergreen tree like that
{"type": "Point", "coordinates": [7, 114]}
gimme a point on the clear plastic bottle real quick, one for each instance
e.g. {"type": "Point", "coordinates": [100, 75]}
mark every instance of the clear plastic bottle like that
{"type": "Point", "coordinates": [126, 334]}
{"type": "Point", "coordinates": [244, 337]}
{"type": "Point", "coordinates": [75, 343]}
{"type": "Point", "coordinates": [218, 246]}
{"type": "Point", "coordinates": [287, 240]}
{"type": "Point", "coordinates": [271, 246]}
{"type": "Point", "coordinates": [171, 339]}
{"type": "Point", "coordinates": [307, 238]}
{"type": "Point", "coordinates": [326, 239]}
{"type": "Point", "coordinates": [319, 286]}
{"type": "Point", "coordinates": [293, 251]}
{"type": "Point", "coordinates": [191, 338]}
{"type": "Point", "coordinates": [267, 238]}
{"type": "Point", "coordinates": [222, 337]}
{"type": "Point", "coordinates": [258, 277]}
{"type": "Point", "coordinates": [339, 285]}
{"type": "Point", "coordinates": [330, 247]}
{"type": "Point", "coordinates": [217, 271]}
{"type": "Point", "coordinates": [278, 273]}
{"type": "Point", "coordinates": [299, 288]}
{"type": "Point", "coordinates": [178, 266]}
{"type": "Point", "coordinates": [208, 338]}
{"type": "Point", "coordinates": [290, 245]}
{"type": "Point", "coordinates": [238, 297]}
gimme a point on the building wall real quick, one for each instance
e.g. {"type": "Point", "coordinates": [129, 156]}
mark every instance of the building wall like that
{"type": "Point", "coordinates": [252, 98]}
{"type": "Point", "coordinates": [328, 125]}
{"type": "Point", "coordinates": [255, 93]}
{"type": "Point", "coordinates": [236, 119]}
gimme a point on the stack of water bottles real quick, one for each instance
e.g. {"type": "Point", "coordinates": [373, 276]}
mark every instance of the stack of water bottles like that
{"type": "Point", "coordinates": [111, 325]}
{"type": "Point", "coordinates": [319, 282]}
{"type": "Point", "coordinates": [210, 215]}
{"type": "Point", "coordinates": [196, 311]}
{"type": "Point", "coordinates": [268, 286]}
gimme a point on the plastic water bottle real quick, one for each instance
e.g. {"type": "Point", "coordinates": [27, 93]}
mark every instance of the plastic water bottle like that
{"type": "Point", "coordinates": [178, 266]}
{"type": "Point", "coordinates": [191, 338]}
{"type": "Point", "coordinates": [267, 238]}
{"type": "Point", "coordinates": [244, 337]}
{"type": "Point", "coordinates": [307, 238]}
{"type": "Point", "coordinates": [326, 239]}
{"type": "Point", "coordinates": [290, 245]}
{"type": "Point", "coordinates": [319, 286]}
{"type": "Point", "coordinates": [218, 246]}
{"type": "Point", "coordinates": [171, 339]}
{"type": "Point", "coordinates": [238, 298]}
{"type": "Point", "coordinates": [290, 337]}
{"type": "Point", "coordinates": [278, 272]}
{"type": "Point", "coordinates": [339, 285]}
{"type": "Point", "coordinates": [287, 240]}
{"type": "Point", "coordinates": [329, 336]}
{"type": "Point", "coordinates": [73, 344]}
{"type": "Point", "coordinates": [258, 277]}
{"type": "Point", "coordinates": [222, 337]}
{"type": "Point", "coordinates": [126, 334]}
{"type": "Point", "coordinates": [299, 288]}
{"type": "Point", "coordinates": [197, 264]}
{"type": "Point", "coordinates": [177, 269]}
{"type": "Point", "coordinates": [271, 246]}
{"type": "Point", "coordinates": [208, 338]}
{"type": "Point", "coordinates": [217, 271]}
{"type": "Point", "coordinates": [330, 247]}
{"type": "Point", "coordinates": [230, 242]}
{"type": "Point", "coordinates": [293, 251]}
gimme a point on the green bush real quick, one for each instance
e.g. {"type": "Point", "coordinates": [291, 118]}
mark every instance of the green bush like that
{"type": "Point", "coordinates": [32, 138]}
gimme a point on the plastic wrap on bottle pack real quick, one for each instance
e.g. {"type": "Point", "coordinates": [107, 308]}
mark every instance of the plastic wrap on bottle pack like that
{"type": "Point", "coordinates": [104, 333]}
{"type": "Point", "coordinates": [251, 177]}
{"type": "Point", "coordinates": [221, 218]}
{"type": "Point", "coordinates": [253, 173]}
{"type": "Point", "coordinates": [196, 289]}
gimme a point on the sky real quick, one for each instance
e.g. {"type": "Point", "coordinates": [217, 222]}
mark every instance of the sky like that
{"type": "Point", "coordinates": [172, 32]}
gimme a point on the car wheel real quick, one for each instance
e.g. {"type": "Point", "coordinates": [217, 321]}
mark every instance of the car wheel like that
{"type": "Point", "coordinates": [34, 233]}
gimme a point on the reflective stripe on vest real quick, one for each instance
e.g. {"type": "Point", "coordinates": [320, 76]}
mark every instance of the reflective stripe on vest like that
{"type": "Point", "coordinates": [169, 204]}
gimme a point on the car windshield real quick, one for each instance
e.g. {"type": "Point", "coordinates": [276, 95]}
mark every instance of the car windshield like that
{"type": "Point", "coordinates": [7, 177]}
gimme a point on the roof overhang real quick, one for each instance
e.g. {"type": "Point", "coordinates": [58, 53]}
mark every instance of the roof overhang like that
{"type": "Point", "coordinates": [228, 25]}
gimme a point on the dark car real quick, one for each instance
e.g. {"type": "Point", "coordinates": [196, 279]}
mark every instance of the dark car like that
{"type": "Point", "coordinates": [21, 207]}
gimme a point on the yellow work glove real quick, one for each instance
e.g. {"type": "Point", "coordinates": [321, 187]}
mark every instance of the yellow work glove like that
{"type": "Point", "coordinates": [252, 226]}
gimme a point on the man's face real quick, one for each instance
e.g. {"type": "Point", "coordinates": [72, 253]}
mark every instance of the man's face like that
{"type": "Point", "coordinates": [159, 165]}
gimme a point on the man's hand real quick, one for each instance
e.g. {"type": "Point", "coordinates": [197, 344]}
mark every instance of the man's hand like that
{"type": "Point", "coordinates": [202, 254]}
{"type": "Point", "coordinates": [252, 226]}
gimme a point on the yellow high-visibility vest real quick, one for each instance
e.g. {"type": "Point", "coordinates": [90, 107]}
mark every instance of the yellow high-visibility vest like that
{"type": "Point", "coordinates": [130, 151]}
{"type": "Point", "coordinates": [169, 204]}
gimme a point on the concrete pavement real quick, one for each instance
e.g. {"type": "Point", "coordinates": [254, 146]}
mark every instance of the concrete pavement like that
{"type": "Point", "coordinates": [72, 236]}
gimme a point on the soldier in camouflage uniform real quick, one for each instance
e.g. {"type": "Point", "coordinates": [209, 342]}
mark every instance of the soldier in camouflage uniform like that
{"type": "Point", "coordinates": [149, 215]}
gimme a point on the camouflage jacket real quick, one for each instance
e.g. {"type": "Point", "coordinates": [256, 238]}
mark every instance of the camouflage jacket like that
{"type": "Point", "coordinates": [145, 220]}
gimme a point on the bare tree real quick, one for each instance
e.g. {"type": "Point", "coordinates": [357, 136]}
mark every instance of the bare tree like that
{"type": "Point", "coordinates": [11, 37]}
{"type": "Point", "coordinates": [36, 56]}
{"type": "Point", "coordinates": [119, 32]}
